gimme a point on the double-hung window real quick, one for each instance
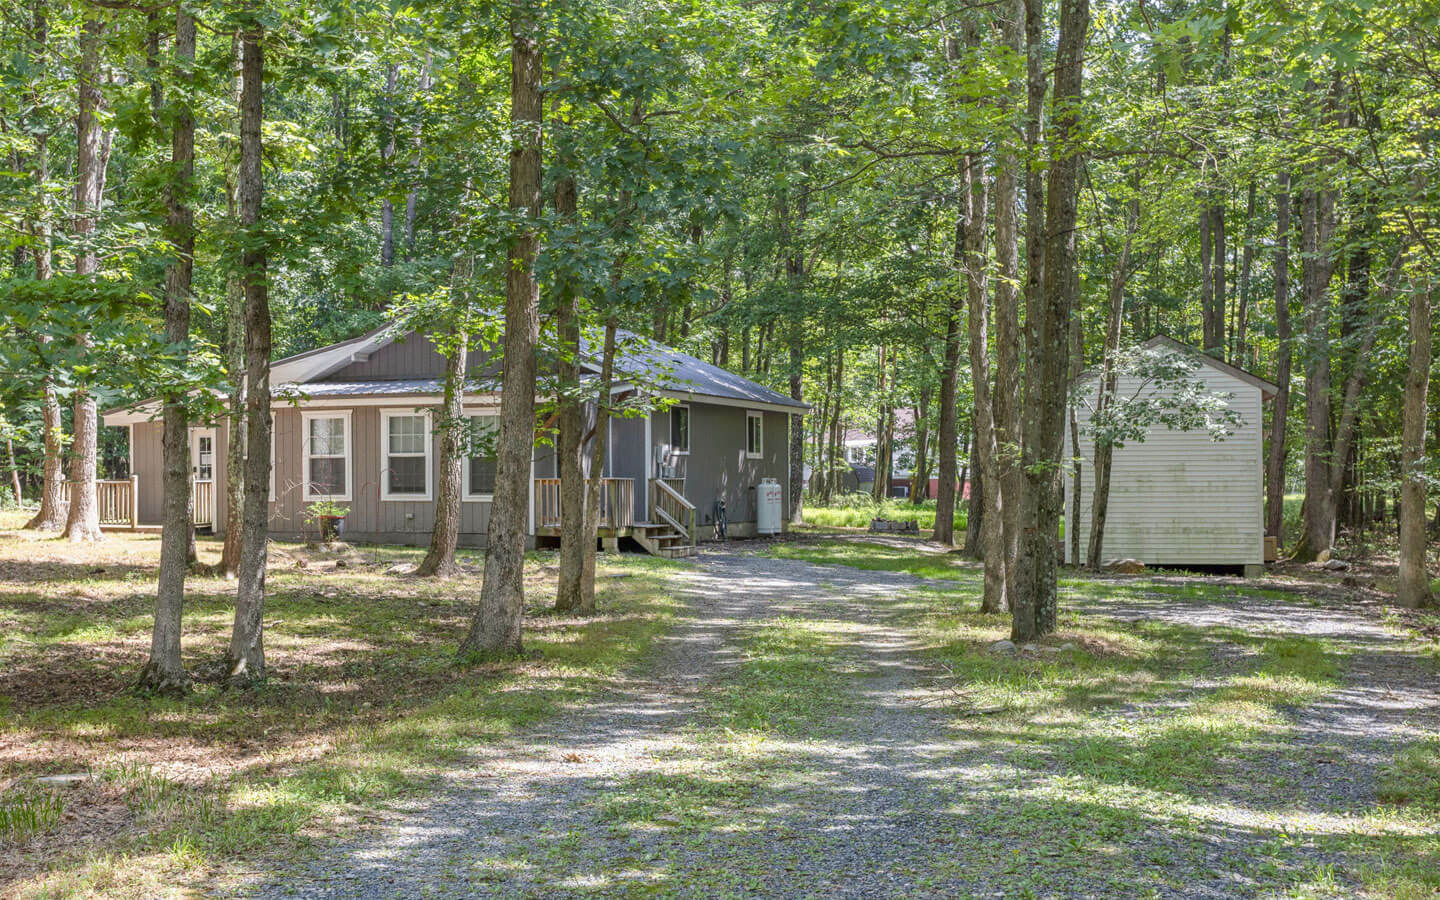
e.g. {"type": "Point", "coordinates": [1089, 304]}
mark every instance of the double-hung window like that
{"type": "Point", "coordinates": [480, 456]}
{"type": "Point", "coordinates": [754, 434]}
{"type": "Point", "coordinates": [405, 472]}
{"type": "Point", "coordinates": [327, 472]}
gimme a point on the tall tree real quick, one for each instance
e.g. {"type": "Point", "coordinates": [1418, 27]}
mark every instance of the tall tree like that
{"type": "Point", "coordinates": [1414, 588]}
{"type": "Point", "coordinates": [496, 624]}
{"type": "Point", "coordinates": [245, 657]}
{"type": "Point", "coordinates": [1280, 406]}
{"type": "Point", "coordinates": [165, 672]}
{"type": "Point", "coordinates": [82, 522]}
{"type": "Point", "coordinates": [1034, 606]}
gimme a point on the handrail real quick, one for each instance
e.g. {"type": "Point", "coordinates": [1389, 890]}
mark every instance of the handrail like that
{"type": "Point", "coordinates": [664, 495]}
{"type": "Point", "coordinates": [117, 501]}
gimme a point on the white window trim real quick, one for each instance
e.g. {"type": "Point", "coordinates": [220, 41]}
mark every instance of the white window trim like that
{"type": "Point", "coordinates": [759, 417]}
{"type": "Point", "coordinates": [465, 495]}
{"type": "Point", "coordinates": [386, 494]}
{"type": "Point", "coordinates": [689, 429]}
{"type": "Point", "coordinates": [305, 417]}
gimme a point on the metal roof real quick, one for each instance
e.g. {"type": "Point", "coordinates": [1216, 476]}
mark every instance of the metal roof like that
{"type": "Point", "coordinates": [681, 373]}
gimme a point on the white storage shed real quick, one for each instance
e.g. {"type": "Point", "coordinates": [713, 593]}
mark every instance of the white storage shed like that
{"type": "Point", "coordinates": [1179, 498]}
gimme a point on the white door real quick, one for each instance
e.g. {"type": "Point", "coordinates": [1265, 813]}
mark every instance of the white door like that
{"type": "Point", "coordinates": [202, 454]}
{"type": "Point", "coordinates": [202, 470]}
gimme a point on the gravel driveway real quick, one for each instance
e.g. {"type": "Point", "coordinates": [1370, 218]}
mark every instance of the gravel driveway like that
{"type": "Point", "coordinates": [887, 798]}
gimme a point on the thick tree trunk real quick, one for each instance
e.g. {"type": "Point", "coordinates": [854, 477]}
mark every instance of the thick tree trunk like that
{"type": "Point", "coordinates": [245, 657]}
{"type": "Point", "coordinates": [574, 488]}
{"type": "Point", "coordinates": [165, 672]}
{"type": "Point", "coordinates": [496, 624]}
{"type": "Point", "coordinates": [82, 521]}
{"type": "Point", "coordinates": [1316, 225]}
{"type": "Point", "coordinates": [1414, 588]}
{"type": "Point", "coordinates": [439, 561]}
{"type": "Point", "coordinates": [1006, 407]}
{"type": "Point", "coordinates": [992, 531]}
{"type": "Point", "coordinates": [1106, 382]}
{"type": "Point", "coordinates": [1280, 406]}
{"type": "Point", "coordinates": [1034, 603]}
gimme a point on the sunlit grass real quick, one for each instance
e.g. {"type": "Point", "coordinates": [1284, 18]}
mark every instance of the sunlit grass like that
{"type": "Point", "coordinates": [365, 702]}
{"type": "Point", "coordinates": [859, 510]}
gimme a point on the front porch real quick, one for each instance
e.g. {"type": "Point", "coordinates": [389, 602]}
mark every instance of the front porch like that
{"type": "Point", "coordinates": [669, 531]}
{"type": "Point", "coordinates": [118, 503]}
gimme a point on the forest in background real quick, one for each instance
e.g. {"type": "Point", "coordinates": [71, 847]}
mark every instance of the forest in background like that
{"type": "Point", "coordinates": [948, 209]}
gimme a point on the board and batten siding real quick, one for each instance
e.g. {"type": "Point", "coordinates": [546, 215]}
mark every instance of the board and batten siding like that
{"type": "Point", "coordinates": [1179, 498]}
{"type": "Point", "coordinates": [718, 467]}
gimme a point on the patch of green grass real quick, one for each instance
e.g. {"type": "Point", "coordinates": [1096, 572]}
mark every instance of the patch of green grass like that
{"type": "Point", "coordinates": [859, 509]}
{"type": "Point", "coordinates": [1413, 777]}
{"type": "Point", "coordinates": [789, 682]}
{"type": "Point", "coordinates": [29, 812]}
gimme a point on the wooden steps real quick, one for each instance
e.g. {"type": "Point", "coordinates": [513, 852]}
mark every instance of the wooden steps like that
{"type": "Point", "coordinates": [660, 539]}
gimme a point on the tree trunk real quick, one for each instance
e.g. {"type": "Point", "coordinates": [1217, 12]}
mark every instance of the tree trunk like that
{"type": "Point", "coordinates": [598, 449]}
{"type": "Point", "coordinates": [1104, 450]}
{"type": "Point", "coordinates": [1280, 406]}
{"type": "Point", "coordinates": [439, 561]}
{"type": "Point", "coordinates": [412, 197]}
{"type": "Point", "coordinates": [51, 516]}
{"type": "Point", "coordinates": [245, 657]}
{"type": "Point", "coordinates": [1006, 406]}
{"type": "Point", "coordinates": [496, 624]}
{"type": "Point", "coordinates": [797, 433]}
{"type": "Point", "coordinates": [920, 478]}
{"type": "Point", "coordinates": [992, 531]}
{"type": "Point", "coordinates": [945, 494]}
{"type": "Point", "coordinates": [165, 672]}
{"type": "Point", "coordinates": [1242, 315]}
{"type": "Point", "coordinates": [387, 152]}
{"type": "Point", "coordinates": [1414, 587]}
{"type": "Point", "coordinates": [1316, 224]}
{"type": "Point", "coordinates": [574, 488]}
{"type": "Point", "coordinates": [1034, 605]}
{"type": "Point", "coordinates": [236, 435]}
{"type": "Point", "coordinates": [82, 521]}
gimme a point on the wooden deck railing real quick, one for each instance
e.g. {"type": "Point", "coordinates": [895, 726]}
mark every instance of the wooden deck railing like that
{"type": "Point", "coordinates": [670, 506]}
{"type": "Point", "coordinates": [117, 502]}
{"type": "Point", "coordinates": [204, 503]}
{"type": "Point", "coordinates": [617, 502]}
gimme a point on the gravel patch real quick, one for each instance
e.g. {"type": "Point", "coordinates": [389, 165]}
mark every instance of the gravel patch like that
{"type": "Point", "coordinates": [890, 798]}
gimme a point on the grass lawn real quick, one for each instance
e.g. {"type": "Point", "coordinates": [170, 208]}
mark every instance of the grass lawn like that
{"type": "Point", "coordinates": [364, 704]}
{"type": "Point", "coordinates": [859, 509]}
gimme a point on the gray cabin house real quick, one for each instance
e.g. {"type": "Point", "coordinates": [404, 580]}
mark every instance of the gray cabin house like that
{"type": "Point", "coordinates": [354, 424]}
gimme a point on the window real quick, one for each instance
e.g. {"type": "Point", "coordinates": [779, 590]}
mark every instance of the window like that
{"type": "Point", "coordinates": [405, 472]}
{"type": "Point", "coordinates": [754, 435]}
{"type": "Point", "coordinates": [680, 429]}
{"type": "Point", "coordinates": [480, 461]}
{"type": "Point", "coordinates": [327, 456]}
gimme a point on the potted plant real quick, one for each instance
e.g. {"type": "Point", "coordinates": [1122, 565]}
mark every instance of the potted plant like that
{"type": "Point", "coordinates": [329, 517]}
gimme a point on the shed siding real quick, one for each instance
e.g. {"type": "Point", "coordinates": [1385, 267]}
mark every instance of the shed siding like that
{"type": "Point", "coordinates": [1179, 498]}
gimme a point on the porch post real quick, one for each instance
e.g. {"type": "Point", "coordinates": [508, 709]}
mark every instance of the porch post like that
{"type": "Point", "coordinates": [134, 500]}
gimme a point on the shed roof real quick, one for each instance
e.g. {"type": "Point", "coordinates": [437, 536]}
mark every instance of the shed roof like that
{"type": "Point", "coordinates": [1267, 389]}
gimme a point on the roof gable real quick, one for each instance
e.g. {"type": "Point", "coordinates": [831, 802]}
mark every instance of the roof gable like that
{"type": "Point", "coordinates": [1267, 389]}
